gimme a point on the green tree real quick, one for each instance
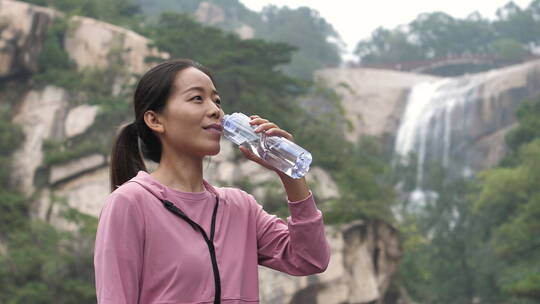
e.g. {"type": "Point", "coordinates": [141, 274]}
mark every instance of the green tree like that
{"type": "Point", "coordinates": [507, 206]}
{"type": "Point", "coordinates": [440, 35]}
{"type": "Point", "coordinates": [518, 24]}
{"type": "Point", "coordinates": [388, 47]}
{"type": "Point", "coordinates": [316, 41]}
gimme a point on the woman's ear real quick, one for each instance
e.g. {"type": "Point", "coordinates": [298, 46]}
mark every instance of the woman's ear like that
{"type": "Point", "coordinates": [152, 120]}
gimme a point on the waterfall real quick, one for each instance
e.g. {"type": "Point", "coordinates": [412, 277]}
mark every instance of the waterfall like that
{"type": "Point", "coordinates": [436, 128]}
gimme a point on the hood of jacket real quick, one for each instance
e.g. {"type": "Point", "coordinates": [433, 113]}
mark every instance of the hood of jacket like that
{"type": "Point", "coordinates": [164, 192]}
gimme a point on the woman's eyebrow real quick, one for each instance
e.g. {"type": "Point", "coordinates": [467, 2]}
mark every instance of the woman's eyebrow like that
{"type": "Point", "coordinates": [201, 89]}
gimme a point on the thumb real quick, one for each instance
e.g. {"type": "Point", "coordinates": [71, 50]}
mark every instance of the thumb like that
{"type": "Point", "coordinates": [248, 154]}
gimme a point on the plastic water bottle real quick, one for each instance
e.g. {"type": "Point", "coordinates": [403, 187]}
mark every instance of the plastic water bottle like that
{"type": "Point", "coordinates": [279, 152]}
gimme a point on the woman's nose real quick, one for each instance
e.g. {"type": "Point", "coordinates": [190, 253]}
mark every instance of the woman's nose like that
{"type": "Point", "coordinates": [216, 110]}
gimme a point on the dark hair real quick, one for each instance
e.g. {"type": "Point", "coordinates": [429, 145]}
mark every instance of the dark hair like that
{"type": "Point", "coordinates": [152, 92]}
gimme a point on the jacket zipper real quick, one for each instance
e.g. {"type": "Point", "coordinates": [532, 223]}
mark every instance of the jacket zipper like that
{"type": "Point", "coordinates": [209, 241]}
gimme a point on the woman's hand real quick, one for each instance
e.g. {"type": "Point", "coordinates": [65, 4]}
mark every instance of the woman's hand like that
{"type": "Point", "coordinates": [269, 129]}
{"type": "Point", "coordinates": [296, 189]}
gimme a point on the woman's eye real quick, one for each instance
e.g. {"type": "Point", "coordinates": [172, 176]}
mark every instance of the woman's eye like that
{"type": "Point", "coordinates": [196, 98]}
{"type": "Point", "coordinates": [218, 101]}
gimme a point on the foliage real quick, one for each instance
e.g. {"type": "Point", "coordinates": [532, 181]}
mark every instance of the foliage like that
{"type": "Point", "coordinates": [508, 205]}
{"type": "Point", "coordinates": [388, 46]}
{"type": "Point", "coordinates": [529, 125]}
{"type": "Point", "coordinates": [13, 207]}
{"type": "Point", "coordinates": [366, 193]}
{"type": "Point", "coordinates": [438, 33]}
{"type": "Point", "coordinates": [44, 264]}
{"type": "Point", "coordinates": [519, 24]}
{"type": "Point", "coordinates": [509, 38]}
{"type": "Point", "coordinates": [305, 29]}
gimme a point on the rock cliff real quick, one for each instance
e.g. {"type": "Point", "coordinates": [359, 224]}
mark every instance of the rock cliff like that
{"type": "Point", "coordinates": [374, 100]}
{"type": "Point", "coordinates": [22, 31]}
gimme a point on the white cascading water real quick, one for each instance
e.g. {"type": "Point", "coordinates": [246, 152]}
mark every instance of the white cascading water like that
{"type": "Point", "coordinates": [435, 127]}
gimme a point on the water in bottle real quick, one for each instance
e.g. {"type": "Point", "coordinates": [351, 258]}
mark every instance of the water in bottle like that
{"type": "Point", "coordinates": [279, 152]}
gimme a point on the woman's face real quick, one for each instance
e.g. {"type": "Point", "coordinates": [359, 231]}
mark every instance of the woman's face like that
{"type": "Point", "coordinates": [193, 106]}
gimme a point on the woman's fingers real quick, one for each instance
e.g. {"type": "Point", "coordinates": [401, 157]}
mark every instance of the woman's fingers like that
{"type": "Point", "coordinates": [279, 132]}
{"type": "Point", "coordinates": [265, 127]}
{"type": "Point", "coordinates": [258, 121]}
{"type": "Point", "coordinates": [269, 128]}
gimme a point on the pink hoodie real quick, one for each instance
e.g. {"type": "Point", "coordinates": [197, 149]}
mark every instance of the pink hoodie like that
{"type": "Point", "coordinates": [146, 254]}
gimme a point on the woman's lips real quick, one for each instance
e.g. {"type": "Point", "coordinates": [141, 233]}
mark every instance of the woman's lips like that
{"type": "Point", "coordinates": [214, 131]}
{"type": "Point", "coordinates": [214, 126]}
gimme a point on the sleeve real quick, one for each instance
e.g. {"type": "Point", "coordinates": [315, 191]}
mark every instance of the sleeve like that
{"type": "Point", "coordinates": [298, 247]}
{"type": "Point", "coordinates": [118, 252]}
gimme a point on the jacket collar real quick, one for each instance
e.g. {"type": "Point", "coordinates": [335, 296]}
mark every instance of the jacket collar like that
{"type": "Point", "coordinates": [164, 192]}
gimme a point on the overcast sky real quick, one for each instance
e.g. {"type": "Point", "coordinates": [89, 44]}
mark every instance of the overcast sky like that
{"type": "Point", "coordinates": [356, 19]}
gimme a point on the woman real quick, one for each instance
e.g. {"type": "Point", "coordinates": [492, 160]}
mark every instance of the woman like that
{"type": "Point", "coordinates": [171, 237]}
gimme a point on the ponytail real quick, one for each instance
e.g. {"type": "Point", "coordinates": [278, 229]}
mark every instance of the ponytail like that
{"type": "Point", "coordinates": [126, 159]}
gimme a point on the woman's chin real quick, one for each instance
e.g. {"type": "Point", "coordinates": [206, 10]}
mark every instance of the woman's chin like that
{"type": "Point", "coordinates": [214, 151]}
